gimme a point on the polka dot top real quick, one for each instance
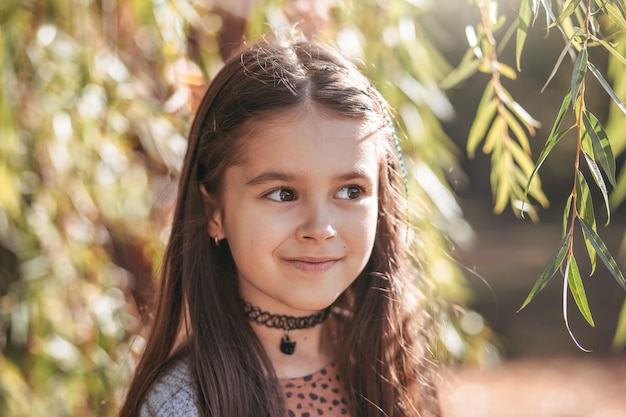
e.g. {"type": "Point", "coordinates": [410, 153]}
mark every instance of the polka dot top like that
{"type": "Point", "coordinates": [318, 394]}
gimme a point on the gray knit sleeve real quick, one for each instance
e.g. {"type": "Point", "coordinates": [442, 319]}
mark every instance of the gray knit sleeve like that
{"type": "Point", "coordinates": [173, 395]}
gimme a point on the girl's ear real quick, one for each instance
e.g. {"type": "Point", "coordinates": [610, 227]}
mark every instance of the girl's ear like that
{"type": "Point", "coordinates": [214, 214]}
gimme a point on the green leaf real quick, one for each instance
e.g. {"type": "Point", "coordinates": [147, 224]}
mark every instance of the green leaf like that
{"type": "Point", "coordinates": [518, 131]}
{"type": "Point", "coordinates": [500, 182]}
{"type": "Point", "coordinates": [559, 118]}
{"type": "Point", "coordinates": [460, 74]}
{"type": "Point", "coordinates": [584, 206]}
{"type": "Point", "coordinates": [607, 87]}
{"type": "Point", "coordinates": [571, 7]}
{"type": "Point", "coordinates": [566, 49]}
{"type": "Point", "coordinates": [496, 134]}
{"type": "Point", "coordinates": [505, 70]}
{"type": "Point", "coordinates": [566, 213]}
{"type": "Point", "coordinates": [522, 159]}
{"type": "Point", "coordinates": [620, 58]}
{"type": "Point", "coordinates": [597, 176]}
{"type": "Point", "coordinates": [518, 110]}
{"type": "Point", "coordinates": [603, 252]}
{"type": "Point", "coordinates": [567, 326]}
{"type": "Point", "coordinates": [601, 145]}
{"type": "Point", "coordinates": [523, 24]}
{"type": "Point", "coordinates": [619, 195]}
{"type": "Point", "coordinates": [578, 290]}
{"type": "Point", "coordinates": [578, 74]}
{"type": "Point", "coordinates": [619, 341]}
{"type": "Point", "coordinates": [484, 115]}
{"type": "Point", "coordinates": [553, 265]}
{"type": "Point", "coordinates": [615, 15]}
{"type": "Point", "coordinates": [551, 142]}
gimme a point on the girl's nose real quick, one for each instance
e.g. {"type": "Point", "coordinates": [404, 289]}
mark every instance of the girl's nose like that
{"type": "Point", "coordinates": [317, 224]}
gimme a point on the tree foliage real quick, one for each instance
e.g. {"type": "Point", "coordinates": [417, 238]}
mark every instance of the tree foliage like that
{"type": "Point", "coordinates": [95, 102]}
{"type": "Point", "coordinates": [504, 127]}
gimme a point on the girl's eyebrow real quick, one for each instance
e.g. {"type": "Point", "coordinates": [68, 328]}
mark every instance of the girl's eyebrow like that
{"type": "Point", "coordinates": [355, 175]}
{"type": "Point", "coordinates": [270, 176]}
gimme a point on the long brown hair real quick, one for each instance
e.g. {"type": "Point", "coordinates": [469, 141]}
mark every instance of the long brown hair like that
{"type": "Point", "coordinates": [383, 348]}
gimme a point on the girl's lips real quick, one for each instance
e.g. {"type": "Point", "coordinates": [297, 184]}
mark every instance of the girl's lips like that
{"type": "Point", "coordinates": [313, 265]}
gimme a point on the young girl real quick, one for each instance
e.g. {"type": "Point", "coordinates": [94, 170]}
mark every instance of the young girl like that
{"type": "Point", "coordinates": [288, 288]}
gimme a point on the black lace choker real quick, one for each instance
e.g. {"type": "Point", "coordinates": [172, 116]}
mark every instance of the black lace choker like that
{"type": "Point", "coordinates": [279, 321]}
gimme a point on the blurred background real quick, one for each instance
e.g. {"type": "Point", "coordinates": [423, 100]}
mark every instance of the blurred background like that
{"type": "Point", "coordinates": [95, 103]}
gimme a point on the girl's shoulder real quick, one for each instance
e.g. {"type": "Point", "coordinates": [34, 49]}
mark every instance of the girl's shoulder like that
{"type": "Point", "coordinates": [173, 395]}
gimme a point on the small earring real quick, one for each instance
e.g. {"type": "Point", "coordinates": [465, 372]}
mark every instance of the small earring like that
{"type": "Point", "coordinates": [216, 239]}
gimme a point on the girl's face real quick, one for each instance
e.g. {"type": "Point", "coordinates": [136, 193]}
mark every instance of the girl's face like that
{"type": "Point", "coordinates": [300, 211]}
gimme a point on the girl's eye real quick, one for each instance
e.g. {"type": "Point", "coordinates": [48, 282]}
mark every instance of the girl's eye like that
{"type": "Point", "coordinates": [281, 195]}
{"type": "Point", "coordinates": [350, 192]}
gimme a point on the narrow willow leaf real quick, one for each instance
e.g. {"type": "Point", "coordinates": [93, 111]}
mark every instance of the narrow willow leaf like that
{"type": "Point", "coordinates": [615, 15]}
{"type": "Point", "coordinates": [460, 74]}
{"type": "Point", "coordinates": [535, 190]}
{"type": "Point", "coordinates": [578, 290]}
{"type": "Point", "coordinates": [518, 131]}
{"type": "Point", "coordinates": [547, 6]}
{"type": "Point", "coordinates": [537, 193]}
{"type": "Point", "coordinates": [619, 195]}
{"type": "Point", "coordinates": [525, 117]}
{"type": "Point", "coordinates": [518, 110]}
{"type": "Point", "coordinates": [571, 7]}
{"type": "Point", "coordinates": [557, 65]}
{"type": "Point", "coordinates": [566, 213]}
{"type": "Point", "coordinates": [505, 70]}
{"type": "Point", "coordinates": [553, 265]}
{"type": "Point", "coordinates": [535, 9]}
{"type": "Point", "coordinates": [586, 144]}
{"type": "Point", "coordinates": [565, 30]}
{"type": "Point", "coordinates": [551, 142]}
{"type": "Point", "coordinates": [601, 145]}
{"type": "Point", "coordinates": [496, 134]}
{"type": "Point", "coordinates": [603, 253]}
{"type": "Point", "coordinates": [522, 159]}
{"type": "Point", "coordinates": [616, 54]}
{"type": "Point", "coordinates": [484, 116]}
{"type": "Point", "coordinates": [549, 15]}
{"type": "Point", "coordinates": [559, 118]}
{"type": "Point", "coordinates": [584, 206]}
{"type": "Point", "coordinates": [619, 340]}
{"type": "Point", "coordinates": [565, 316]}
{"type": "Point", "coordinates": [503, 184]}
{"type": "Point", "coordinates": [494, 175]}
{"type": "Point", "coordinates": [607, 87]}
{"type": "Point", "coordinates": [578, 74]}
{"type": "Point", "coordinates": [597, 176]}
{"type": "Point", "coordinates": [520, 180]}
{"type": "Point", "coordinates": [523, 24]}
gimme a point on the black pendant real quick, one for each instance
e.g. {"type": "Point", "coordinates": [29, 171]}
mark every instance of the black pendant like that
{"type": "Point", "coordinates": [286, 345]}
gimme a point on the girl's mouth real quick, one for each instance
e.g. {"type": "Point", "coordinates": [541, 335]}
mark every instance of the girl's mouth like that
{"type": "Point", "coordinates": [313, 265]}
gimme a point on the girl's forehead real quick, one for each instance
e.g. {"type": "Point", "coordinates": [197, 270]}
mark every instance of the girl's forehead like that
{"type": "Point", "coordinates": [310, 150]}
{"type": "Point", "coordinates": [326, 128]}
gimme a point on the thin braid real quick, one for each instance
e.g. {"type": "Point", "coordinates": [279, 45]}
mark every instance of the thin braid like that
{"type": "Point", "coordinates": [396, 140]}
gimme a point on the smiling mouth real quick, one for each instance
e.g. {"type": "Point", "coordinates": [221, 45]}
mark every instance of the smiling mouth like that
{"type": "Point", "coordinates": [313, 265]}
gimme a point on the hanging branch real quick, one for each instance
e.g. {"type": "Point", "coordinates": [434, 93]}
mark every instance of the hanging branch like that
{"type": "Point", "coordinates": [514, 178]}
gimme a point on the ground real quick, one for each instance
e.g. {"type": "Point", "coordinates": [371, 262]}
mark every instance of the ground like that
{"type": "Point", "coordinates": [538, 387]}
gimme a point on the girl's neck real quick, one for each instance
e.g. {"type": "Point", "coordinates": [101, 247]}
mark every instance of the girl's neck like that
{"type": "Point", "coordinates": [314, 349]}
